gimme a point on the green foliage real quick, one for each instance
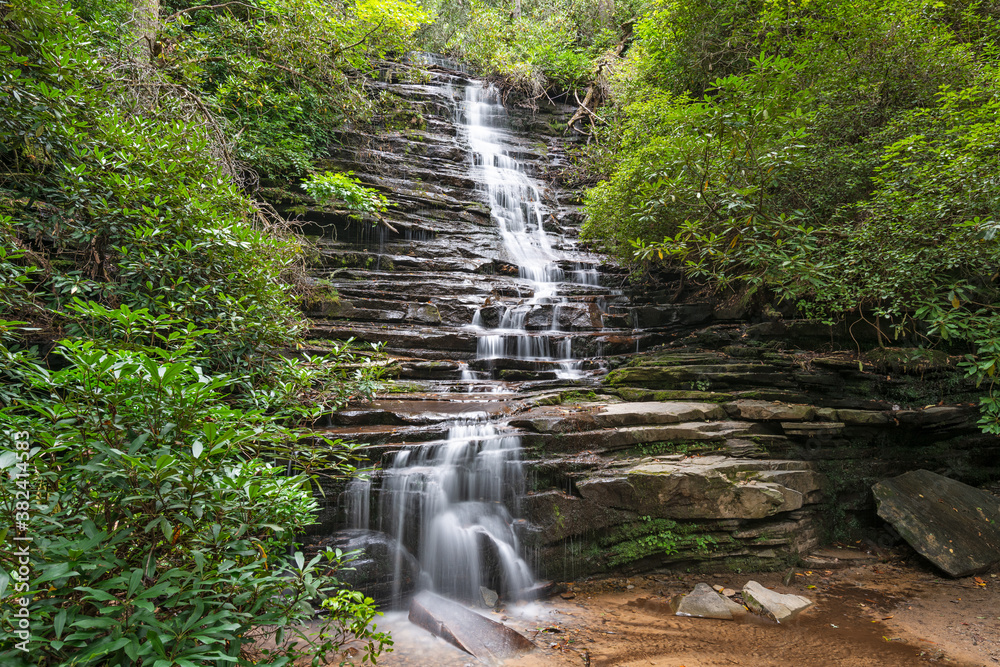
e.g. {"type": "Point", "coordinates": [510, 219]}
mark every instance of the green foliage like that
{"type": "Point", "coordinates": [649, 536]}
{"type": "Point", "coordinates": [160, 525]}
{"type": "Point", "coordinates": [346, 190]}
{"type": "Point", "coordinates": [551, 42]}
{"type": "Point", "coordinates": [165, 480]}
{"type": "Point", "coordinates": [285, 73]}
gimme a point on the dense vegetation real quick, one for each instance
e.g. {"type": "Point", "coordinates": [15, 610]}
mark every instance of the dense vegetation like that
{"type": "Point", "coordinates": [150, 397]}
{"type": "Point", "coordinates": [836, 155]}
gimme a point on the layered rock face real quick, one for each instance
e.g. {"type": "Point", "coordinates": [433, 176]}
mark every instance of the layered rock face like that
{"type": "Point", "coordinates": [442, 259]}
{"type": "Point", "coordinates": [527, 427]}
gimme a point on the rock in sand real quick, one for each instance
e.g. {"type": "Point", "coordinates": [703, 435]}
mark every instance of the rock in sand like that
{"type": "Point", "coordinates": [487, 640]}
{"type": "Point", "coordinates": [703, 602]}
{"type": "Point", "coordinates": [954, 525]}
{"type": "Point", "coordinates": [782, 607]}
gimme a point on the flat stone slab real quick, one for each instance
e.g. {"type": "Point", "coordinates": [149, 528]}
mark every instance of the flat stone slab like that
{"type": "Point", "coordinates": [705, 602]}
{"type": "Point", "coordinates": [708, 487]}
{"type": "Point", "coordinates": [477, 635]}
{"type": "Point", "coordinates": [628, 436]}
{"type": "Point", "coordinates": [770, 411]}
{"type": "Point", "coordinates": [555, 419]}
{"type": "Point", "coordinates": [782, 607]}
{"type": "Point", "coordinates": [954, 525]}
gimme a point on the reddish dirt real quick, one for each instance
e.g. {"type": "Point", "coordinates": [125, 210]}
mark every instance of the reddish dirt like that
{"type": "Point", "coordinates": [889, 612]}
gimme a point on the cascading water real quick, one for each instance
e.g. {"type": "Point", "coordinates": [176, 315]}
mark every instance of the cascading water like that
{"type": "Point", "coordinates": [448, 502]}
{"type": "Point", "coordinates": [452, 502]}
{"type": "Point", "coordinates": [516, 206]}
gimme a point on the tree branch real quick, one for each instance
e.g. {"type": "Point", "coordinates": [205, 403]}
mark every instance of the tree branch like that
{"type": "Point", "coordinates": [359, 42]}
{"type": "Point", "coordinates": [188, 10]}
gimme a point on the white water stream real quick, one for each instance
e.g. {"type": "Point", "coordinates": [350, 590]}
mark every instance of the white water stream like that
{"type": "Point", "coordinates": [516, 205]}
{"type": "Point", "coordinates": [452, 502]}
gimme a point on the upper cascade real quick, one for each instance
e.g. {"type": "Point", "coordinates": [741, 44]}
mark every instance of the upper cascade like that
{"type": "Point", "coordinates": [515, 203]}
{"type": "Point", "coordinates": [477, 267]}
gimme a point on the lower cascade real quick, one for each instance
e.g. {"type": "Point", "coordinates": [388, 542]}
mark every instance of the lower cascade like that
{"type": "Point", "coordinates": [448, 502]}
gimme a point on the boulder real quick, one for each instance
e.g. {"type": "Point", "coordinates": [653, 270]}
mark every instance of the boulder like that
{"type": "Point", "coordinates": [477, 635]}
{"type": "Point", "coordinates": [954, 525]}
{"type": "Point", "coordinates": [703, 602]}
{"type": "Point", "coordinates": [708, 487]}
{"type": "Point", "coordinates": [782, 607]}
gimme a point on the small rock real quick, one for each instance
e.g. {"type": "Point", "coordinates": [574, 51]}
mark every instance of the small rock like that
{"type": "Point", "coordinates": [718, 589]}
{"type": "Point", "coordinates": [779, 606]}
{"type": "Point", "coordinates": [728, 592]}
{"type": "Point", "coordinates": [490, 598]}
{"type": "Point", "coordinates": [703, 602]}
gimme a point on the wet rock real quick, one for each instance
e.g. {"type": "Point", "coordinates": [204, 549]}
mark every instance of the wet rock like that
{"type": "Point", "coordinates": [954, 525]}
{"type": "Point", "coordinates": [489, 597]}
{"type": "Point", "coordinates": [861, 417]}
{"type": "Point", "coordinates": [781, 607]}
{"type": "Point", "coordinates": [629, 436]}
{"type": "Point", "coordinates": [543, 590]}
{"type": "Point", "coordinates": [703, 602]}
{"type": "Point", "coordinates": [812, 429]}
{"type": "Point", "coordinates": [616, 415]}
{"type": "Point", "coordinates": [477, 635]}
{"type": "Point", "coordinates": [375, 571]}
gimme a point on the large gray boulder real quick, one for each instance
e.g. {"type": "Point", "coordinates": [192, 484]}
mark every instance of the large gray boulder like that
{"type": "Point", "coordinates": [954, 525]}
{"type": "Point", "coordinates": [782, 607]}
{"type": "Point", "coordinates": [704, 602]}
{"type": "Point", "coordinates": [477, 635]}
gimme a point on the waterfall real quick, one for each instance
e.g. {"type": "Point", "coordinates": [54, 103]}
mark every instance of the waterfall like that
{"type": "Point", "coordinates": [516, 206]}
{"type": "Point", "coordinates": [452, 502]}
{"type": "Point", "coordinates": [448, 502]}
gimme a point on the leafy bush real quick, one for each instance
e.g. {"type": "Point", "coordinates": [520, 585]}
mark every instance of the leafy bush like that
{"type": "Point", "coordinates": [146, 305]}
{"type": "Point", "coordinates": [160, 520]}
{"type": "Point", "coordinates": [855, 171]}
{"type": "Point", "coordinates": [347, 190]}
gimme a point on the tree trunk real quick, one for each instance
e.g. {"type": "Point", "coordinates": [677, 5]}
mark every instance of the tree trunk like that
{"type": "Point", "coordinates": [146, 15]}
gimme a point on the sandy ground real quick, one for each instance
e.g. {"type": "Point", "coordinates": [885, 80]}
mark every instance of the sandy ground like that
{"type": "Point", "coordinates": [889, 611]}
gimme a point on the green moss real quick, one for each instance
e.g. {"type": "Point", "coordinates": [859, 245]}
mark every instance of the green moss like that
{"type": "Point", "coordinates": [685, 447]}
{"type": "Point", "coordinates": [579, 397]}
{"type": "Point", "coordinates": [397, 387]}
{"type": "Point", "coordinates": [648, 537]}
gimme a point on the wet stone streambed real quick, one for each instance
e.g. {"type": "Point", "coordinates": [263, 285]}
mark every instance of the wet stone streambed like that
{"type": "Point", "coordinates": [554, 428]}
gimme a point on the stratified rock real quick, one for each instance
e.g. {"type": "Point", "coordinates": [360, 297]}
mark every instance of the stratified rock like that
{"type": "Point", "coordinates": [384, 570]}
{"type": "Point", "coordinates": [477, 635]}
{"type": "Point", "coordinates": [956, 526]}
{"type": "Point", "coordinates": [710, 487]}
{"type": "Point", "coordinates": [781, 607]}
{"type": "Point", "coordinates": [770, 411]}
{"type": "Point", "coordinates": [703, 602]}
{"type": "Point", "coordinates": [555, 419]}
